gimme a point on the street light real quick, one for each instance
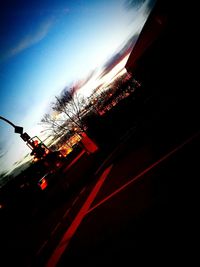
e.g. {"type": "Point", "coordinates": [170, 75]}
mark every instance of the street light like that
{"type": "Point", "coordinates": [38, 150]}
{"type": "Point", "coordinates": [18, 129]}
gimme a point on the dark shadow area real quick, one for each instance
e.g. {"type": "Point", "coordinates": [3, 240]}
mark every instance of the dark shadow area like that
{"type": "Point", "coordinates": [154, 220]}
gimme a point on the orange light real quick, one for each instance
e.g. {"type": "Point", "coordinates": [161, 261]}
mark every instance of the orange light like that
{"type": "Point", "coordinates": [89, 144]}
{"type": "Point", "coordinates": [43, 183]}
{"type": "Point", "coordinates": [35, 142]}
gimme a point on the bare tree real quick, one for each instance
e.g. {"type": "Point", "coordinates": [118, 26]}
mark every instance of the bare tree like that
{"type": "Point", "coordinates": [60, 130]}
{"type": "Point", "coordinates": [56, 126]}
{"type": "Point", "coordinates": [70, 106]}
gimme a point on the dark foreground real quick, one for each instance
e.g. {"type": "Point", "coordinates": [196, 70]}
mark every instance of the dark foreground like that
{"type": "Point", "coordinates": [146, 210]}
{"type": "Point", "coordinates": [151, 220]}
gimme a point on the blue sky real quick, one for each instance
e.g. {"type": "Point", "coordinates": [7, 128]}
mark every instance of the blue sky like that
{"type": "Point", "coordinates": [46, 45]}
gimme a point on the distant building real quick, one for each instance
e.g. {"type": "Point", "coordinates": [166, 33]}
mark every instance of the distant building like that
{"type": "Point", "coordinates": [151, 33]}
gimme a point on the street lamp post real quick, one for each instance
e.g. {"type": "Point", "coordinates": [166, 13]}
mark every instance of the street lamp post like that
{"type": "Point", "coordinates": [18, 129]}
{"type": "Point", "coordinates": [39, 149]}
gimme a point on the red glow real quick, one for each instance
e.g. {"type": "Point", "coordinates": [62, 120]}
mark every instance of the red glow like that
{"type": "Point", "coordinates": [35, 142]}
{"type": "Point", "coordinates": [88, 143]}
{"type": "Point", "coordinates": [42, 183]}
{"type": "Point", "coordinates": [77, 221]}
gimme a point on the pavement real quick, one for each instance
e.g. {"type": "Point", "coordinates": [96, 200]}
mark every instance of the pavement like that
{"type": "Point", "coordinates": [150, 217]}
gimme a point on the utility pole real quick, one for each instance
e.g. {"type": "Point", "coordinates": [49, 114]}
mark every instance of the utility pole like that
{"type": "Point", "coordinates": [18, 129]}
{"type": "Point", "coordinates": [35, 144]}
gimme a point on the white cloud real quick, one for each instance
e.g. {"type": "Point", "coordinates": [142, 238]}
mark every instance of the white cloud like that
{"type": "Point", "coordinates": [32, 39]}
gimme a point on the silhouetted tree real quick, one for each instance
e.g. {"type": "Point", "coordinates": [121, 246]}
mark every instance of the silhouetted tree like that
{"type": "Point", "coordinates": [66, 116]}
{"type": "Point", "coordinates": [56, 126]}
{"type": "Point", "coordinates": [70, 105]}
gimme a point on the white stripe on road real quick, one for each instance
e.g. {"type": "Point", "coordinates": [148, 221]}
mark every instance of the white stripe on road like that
{"type": "Point", "coordinates": [82, 191]}
{"type": "Point", "coordinates": [42, 247]}
{"type": "Point", "coordinates": [66, 213]}
{"type": "Point", "coordinates": [78, 219]}
{"type": "Point", "coordinates": [56, 227]}
{"type": "Point", "coordinates": [75, 200]}
{"type": "Point", "coordinates": [139, 176]}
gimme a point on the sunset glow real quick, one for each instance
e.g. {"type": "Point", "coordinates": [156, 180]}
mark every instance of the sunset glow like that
{"type": "Point", "coordinates": [72, 43]}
